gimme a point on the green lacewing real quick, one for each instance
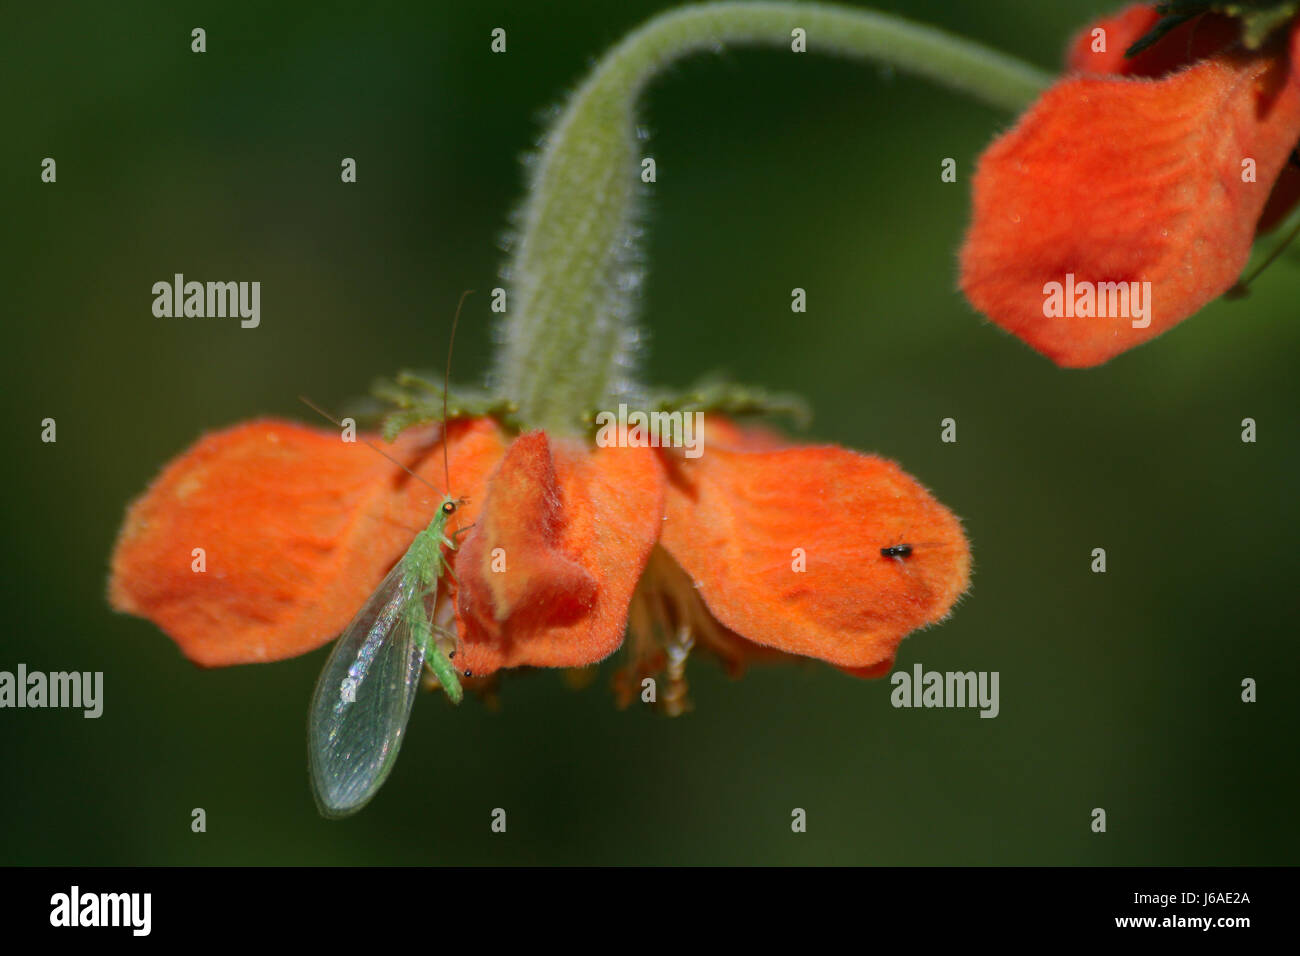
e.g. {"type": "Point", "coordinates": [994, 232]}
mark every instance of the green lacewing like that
{"type": "Point", "coordinates": [364, 696]}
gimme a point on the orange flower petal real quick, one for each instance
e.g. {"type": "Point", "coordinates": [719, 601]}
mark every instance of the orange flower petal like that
{"type": "Point", "coordinates": [873, 672]}
{"type": "Point", "coordinates": [1197, 38]}
{"type": "Point", "coordinates": [574, 527]}
{"type": "Point", "coordinates": [1125, 180]}
{"type": "Point", "coordinates": [1186, 43]}
{"type": "Point", "coordinates": [750, 436]}
{"type": "Point", "coordinates": [298, 528]}
{"type": "Point", "coordinates": [735, 520]}
{"type": "Point", "coordinates": [1121, 31]}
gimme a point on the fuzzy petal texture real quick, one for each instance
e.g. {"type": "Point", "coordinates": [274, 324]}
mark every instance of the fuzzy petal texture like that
{"type": "Point", "coordinates": [574, 527]}
{"type": "Point", "coordinates": [735, 518]}
{"type": "Point", "coordinates": [1129, 180]}
{"type": "Point", "coordinates": [1200, 37]}
{"type": "Point", "coordinates": [298, 528]}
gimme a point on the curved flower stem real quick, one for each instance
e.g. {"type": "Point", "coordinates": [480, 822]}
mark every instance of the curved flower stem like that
{"type": "Point", "coordinates": [570, 332]}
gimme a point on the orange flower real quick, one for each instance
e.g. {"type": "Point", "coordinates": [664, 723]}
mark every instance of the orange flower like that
{"type": "Point", "coordinates": [750, 549]}
{"type": "Point", "coordinates": [1160, 168]}
{"type": "Point", "coordinates": [296, 528]}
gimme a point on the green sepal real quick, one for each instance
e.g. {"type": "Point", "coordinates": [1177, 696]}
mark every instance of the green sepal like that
{"type": "Point", "coordinates": [1260, 19]}
{"type": "Point", "coordinates": [1259, 25]}
{"type": "Point", "coordinates": [730, 399]}
{"type": "Point", "coordinates": [415, 399]}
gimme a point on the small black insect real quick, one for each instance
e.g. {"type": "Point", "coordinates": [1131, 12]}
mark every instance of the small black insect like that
{"type": "Point", "coordinates": [896, 551]}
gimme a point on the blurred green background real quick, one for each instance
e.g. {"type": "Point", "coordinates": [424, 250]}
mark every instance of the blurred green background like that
{"type": "Point", "coordinates": [1118, 691]}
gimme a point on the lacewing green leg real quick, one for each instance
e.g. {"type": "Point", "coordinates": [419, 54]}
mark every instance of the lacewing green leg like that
{"type": "Point", "coordinates": [363, 699]}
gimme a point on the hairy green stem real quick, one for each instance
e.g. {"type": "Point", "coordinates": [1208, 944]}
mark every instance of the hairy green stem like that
{"type": "Point", "coordinates": [570, 334]}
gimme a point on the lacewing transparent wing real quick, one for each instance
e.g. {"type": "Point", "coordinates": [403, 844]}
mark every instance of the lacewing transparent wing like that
{"type": "Point", "coordinates": [363, 699]}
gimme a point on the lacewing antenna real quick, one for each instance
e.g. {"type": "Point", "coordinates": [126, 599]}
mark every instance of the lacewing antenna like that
{"type": "Point", "coordinates": [328, 417]}
{"type": "Point", "coordinates": [446, 385]}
